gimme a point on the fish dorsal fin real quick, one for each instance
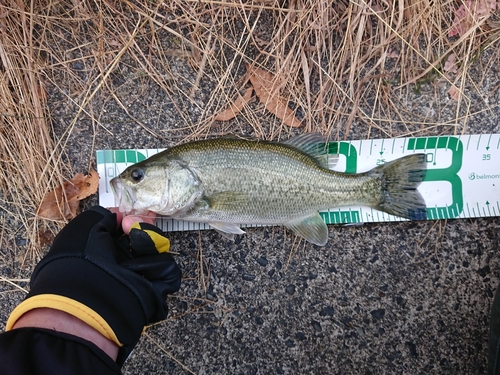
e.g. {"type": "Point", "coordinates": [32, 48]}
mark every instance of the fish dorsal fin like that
{"type": "Point", "coordinates": [311, 227]}
{"type": "Point", "coordinates": [314, 145]}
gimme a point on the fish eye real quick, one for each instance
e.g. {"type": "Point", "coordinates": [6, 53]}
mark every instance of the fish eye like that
{"type": "Point", "coordinates": [137, 174]}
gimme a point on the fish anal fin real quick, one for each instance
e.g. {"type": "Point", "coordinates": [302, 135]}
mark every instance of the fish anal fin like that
{"type": "Point", "coordinates": [311, 227]}
{"type": "Point", "coordinates": [228, 230]}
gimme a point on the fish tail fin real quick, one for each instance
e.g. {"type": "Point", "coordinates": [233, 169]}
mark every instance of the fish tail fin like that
{"type": "Point", "coordinates": [399, 182]}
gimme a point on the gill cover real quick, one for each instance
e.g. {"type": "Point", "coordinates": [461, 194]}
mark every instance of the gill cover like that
{"type": "Point", "coordinates": [182, 191]}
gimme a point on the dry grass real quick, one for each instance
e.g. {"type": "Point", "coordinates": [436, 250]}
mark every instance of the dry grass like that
{"type": "Point", "coordinates": [339, 65]}
{"type": "Point", "coordinates": [29, 159]}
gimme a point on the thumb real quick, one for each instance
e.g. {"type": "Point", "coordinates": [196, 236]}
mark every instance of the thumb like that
{"type": "Point", "coordinates": [128, 221]}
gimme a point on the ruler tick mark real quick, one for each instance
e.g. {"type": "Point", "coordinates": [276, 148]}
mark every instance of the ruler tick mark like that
{"type": "Point", "coordinates": [468, 142]}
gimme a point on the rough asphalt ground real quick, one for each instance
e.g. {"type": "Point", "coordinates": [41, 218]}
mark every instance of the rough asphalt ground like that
{"type": "Point", "coordinates": [389, 298]}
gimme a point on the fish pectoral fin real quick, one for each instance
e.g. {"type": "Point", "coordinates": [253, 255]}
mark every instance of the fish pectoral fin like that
{"type": "Point", "coordinates": [311, 227]}
{"type": "Point", "coordinates": [227, 200]}
{"type": "Point", "coordinates": [226, 228]}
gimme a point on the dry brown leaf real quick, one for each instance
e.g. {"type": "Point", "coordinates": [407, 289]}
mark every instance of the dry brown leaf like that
{"type": "Point", "coordinates": [262, 82]}
{"type": "Point", "coordinates": [450, 64]}
{"type": "Point", "coordinates": [468, 13]}
{"type": "Point", "coordinates": [454, 93]}
{"type": "Point", "coordinates": [62, 202]}
{"type": "Point", "coordinates": [236, 107]}
{"type": "Point", "coordinates": [45, 237]}
{"type": "Point", "coordinates": [392, 54]}
{"type": "Point", "coordinates": [87, 184]}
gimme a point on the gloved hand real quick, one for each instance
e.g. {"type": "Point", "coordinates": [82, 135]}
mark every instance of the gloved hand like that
{"type": "Point", "coordinates": [115, 283]}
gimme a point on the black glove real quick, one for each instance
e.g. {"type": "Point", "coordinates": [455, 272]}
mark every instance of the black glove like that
{"type": "Point", "coordinates": [115, 283]}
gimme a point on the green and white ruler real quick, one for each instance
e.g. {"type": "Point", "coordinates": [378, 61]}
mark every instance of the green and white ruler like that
{"type": "Point", "coordinates": [462, 181]}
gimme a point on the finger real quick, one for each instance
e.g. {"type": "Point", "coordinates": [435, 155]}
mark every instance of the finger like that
{"type": "Point", "coordinates": [128, 221]}
{"type": "Point", "coordinates": [119, 215]}
{"type": "Point", "coordinates": [96, 226]}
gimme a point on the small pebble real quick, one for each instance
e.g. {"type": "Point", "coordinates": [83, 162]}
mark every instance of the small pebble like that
{"type": "Point", "coordinates": [248, 277]}
{"type": "Point", "coordinates": [290, 343]}
{"type": "Point", "coordinates": [316, 326]}
{"type": "Point", "coordinates": [378, 314]}
{"type": "Point", "coordinates": [412, 348]}
{"type": "Point", "coordinates": [290, 289]}
{"type": "Point", "coordinates": [300, 336]}
{"type": "Point", "coordinates": [328, 310]}
{"type": "Point", "coordinates": [20, 241]}
{"type": "Point", "coordinates": [332, 269]}
{"type": "Point", "coordinates": [262, 261]}
{"type": "Point", "coordinates": [484, 271]}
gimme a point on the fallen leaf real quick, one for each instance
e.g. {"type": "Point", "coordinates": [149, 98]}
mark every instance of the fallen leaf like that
{"type": "Point", "coordinates": [263, 84]}
{"type": "Point", "coordinates": [87, 184]}
{"type": "Point", "coordinates": [62, 202]}
{"type": "Point", "coordinates": [454, 93]}
{"type": "Point", "coordinates": [236, 107]}
{"type": "Point", "coordinates": [450, 65]}
{"type": "Point", "coordinates": [460, 24]}
{"type": "Point", "coordinates": [391, 54]}
{"type": "Point", "coordinates": [468, 14]}
{"type": "Point", "coordinates": [114, 43]}
{"type": "Point", "coordinates": [45, 237]}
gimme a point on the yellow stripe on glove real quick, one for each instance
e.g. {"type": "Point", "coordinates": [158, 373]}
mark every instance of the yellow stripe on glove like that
{"type": "Point", "coordinates": [159, 241]}
{"type": "Point", "coordinates": [67, 305]}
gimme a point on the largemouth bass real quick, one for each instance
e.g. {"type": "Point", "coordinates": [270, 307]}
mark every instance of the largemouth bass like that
{"type": "Point", "coordinates": [226, 182]}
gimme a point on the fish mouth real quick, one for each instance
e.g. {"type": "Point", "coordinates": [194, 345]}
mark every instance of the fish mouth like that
{"type": "Point", "coordinates": [124, 196]}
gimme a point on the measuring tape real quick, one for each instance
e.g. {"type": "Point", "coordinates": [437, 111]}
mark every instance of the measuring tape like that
{"type": "Point", "coordinates": [462, 180]}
